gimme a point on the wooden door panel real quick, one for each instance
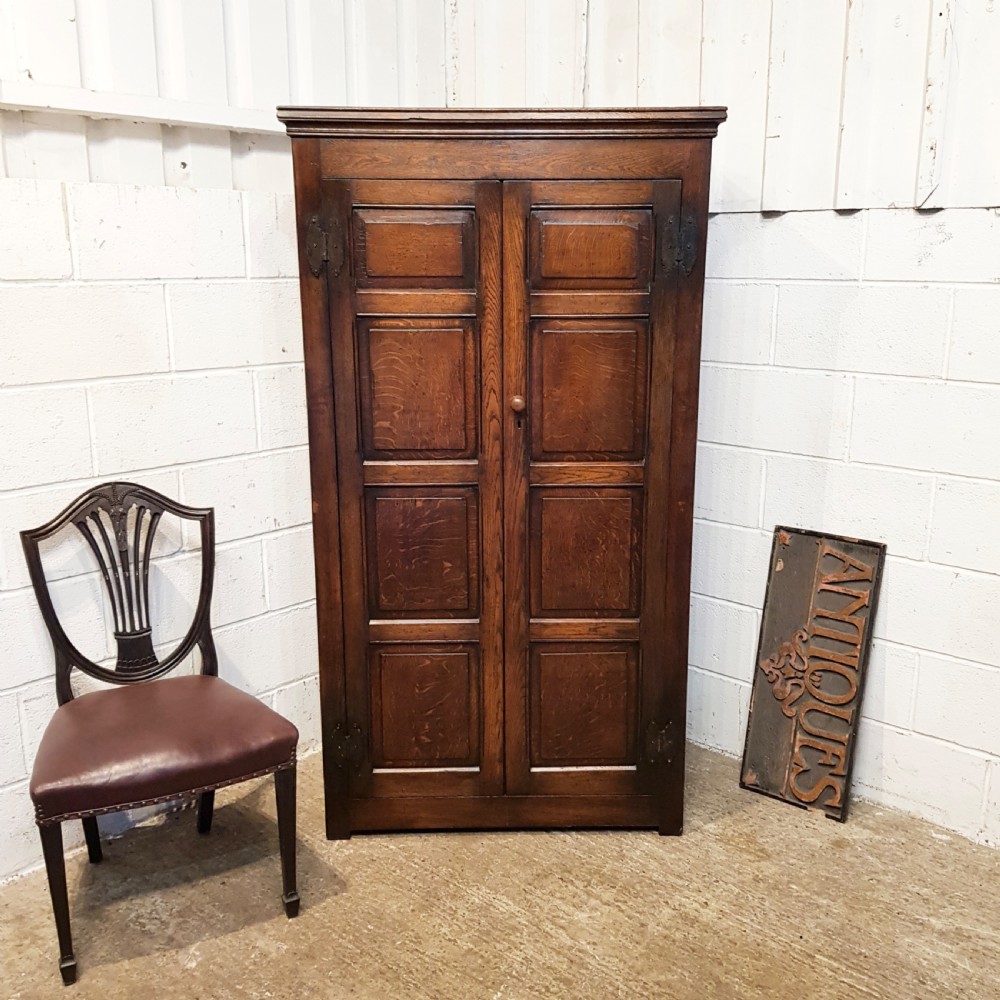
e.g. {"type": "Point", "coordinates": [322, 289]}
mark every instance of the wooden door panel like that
{"type": "Point", "coordinates": [415, 327]}
{"type": "Point", "coordinates": [588, 389]}
{"type": "Point", "coordinates": [423, 552]}
{"type": "Point", "coordinates": [585, 334]}
{"type": "Point", "coordinates": [586, 552]}
{"type": "Point", "coordinates": [425, 705]}
{"type": "Point", "coordinates": [417, 388]}
{"type": "Point", "coordinates": [583, 704]}
{"type": "Point", "coordinates": [582, 248]}
{"type": "Point", "coordinates": [414, 248]}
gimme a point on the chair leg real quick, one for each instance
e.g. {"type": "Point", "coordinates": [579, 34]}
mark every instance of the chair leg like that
{"type": "Point", "coordinates": [93, 835]}
{"type": "Point", "coordinates": [206, 807]}
{"type": "Point", "coordinates": [55, 867]}
{"type": "Point", "coordinates": [284, 793]}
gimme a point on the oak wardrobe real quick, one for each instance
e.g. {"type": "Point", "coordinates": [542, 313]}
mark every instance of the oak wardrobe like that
{"type": "Point", "coordinates": [502, 315]}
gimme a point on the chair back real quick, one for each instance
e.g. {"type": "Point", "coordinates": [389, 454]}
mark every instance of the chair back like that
{"type": "Point", "coordinates": [118, 521]}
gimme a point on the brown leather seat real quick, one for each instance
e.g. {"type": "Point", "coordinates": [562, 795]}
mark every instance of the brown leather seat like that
{"type": "Point", "coordinates": [144, 743]}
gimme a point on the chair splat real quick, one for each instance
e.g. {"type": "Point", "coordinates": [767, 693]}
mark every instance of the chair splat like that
{"type": "Point", "coordinates": [124, 567]}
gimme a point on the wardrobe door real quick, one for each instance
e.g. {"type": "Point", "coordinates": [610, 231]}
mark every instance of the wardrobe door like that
{"type": "Point", "coordinates": [415, 327]}
{"type": "Point", "coordinates": [593, 681]}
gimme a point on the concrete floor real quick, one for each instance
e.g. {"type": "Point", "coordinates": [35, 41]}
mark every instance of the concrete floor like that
{"type": "Point", "coordinates": [757, 899]}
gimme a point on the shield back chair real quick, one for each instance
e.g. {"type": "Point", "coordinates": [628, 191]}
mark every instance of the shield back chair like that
{"type": "Point", "coordinates": [145, 740]}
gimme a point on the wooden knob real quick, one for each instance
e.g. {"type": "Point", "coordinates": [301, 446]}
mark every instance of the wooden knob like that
{"type": "Point", "coordinates": [517, 404]}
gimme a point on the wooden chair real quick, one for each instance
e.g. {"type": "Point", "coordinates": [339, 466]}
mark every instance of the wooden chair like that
{"type": "Point", "coordinates": [141, 743]}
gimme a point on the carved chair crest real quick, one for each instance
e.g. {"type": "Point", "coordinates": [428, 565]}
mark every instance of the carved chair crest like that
{"type": "Point", "coordinates": [118, 521]}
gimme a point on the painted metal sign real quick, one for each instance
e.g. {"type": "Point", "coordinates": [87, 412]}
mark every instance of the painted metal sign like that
{"type": "Point", "coordinates": [814, 641]}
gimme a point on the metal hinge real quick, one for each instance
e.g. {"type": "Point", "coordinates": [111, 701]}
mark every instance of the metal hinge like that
{"type": "Point", "coordinates": [659, 744]}
{"type": "Point", "coordinates": [347, 746]}
{"type": "Point", "coordinates": [324, 247]}
{"type": "Point", "coordinates": [678, 243]}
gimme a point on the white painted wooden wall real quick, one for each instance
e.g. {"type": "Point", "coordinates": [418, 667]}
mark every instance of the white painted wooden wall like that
{"type": "Point", "coordinates": [833, 104]}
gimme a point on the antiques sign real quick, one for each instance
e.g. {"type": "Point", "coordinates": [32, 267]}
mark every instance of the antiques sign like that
{"type": "Point", "coordinates": [814, 641]}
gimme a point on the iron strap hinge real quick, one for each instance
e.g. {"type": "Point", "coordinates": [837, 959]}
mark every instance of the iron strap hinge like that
{"type": "Point", "coordinates": [659, 744]}
{"type": "Point", "coordinates": [324, 246]}
{"type": "Point", "coordinates": [347, 746]}
{"type": "Point", "coordinates": [678, 239]}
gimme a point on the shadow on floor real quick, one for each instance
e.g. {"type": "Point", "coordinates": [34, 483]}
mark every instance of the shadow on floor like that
{"type": "Point", "coordinates": [165, 887]}
{"type": "Point", "coordinates": [701, 777]}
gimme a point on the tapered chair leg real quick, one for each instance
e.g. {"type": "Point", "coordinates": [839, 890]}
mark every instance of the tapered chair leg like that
{"type": "Point", "coordinates": [206, 807]}
{"type": "Point", "coordinates": [284, 793]}
{"type": "Point", "coordinates": [55, 867]}
{"type": "Point", "coordinates": [93, 835]}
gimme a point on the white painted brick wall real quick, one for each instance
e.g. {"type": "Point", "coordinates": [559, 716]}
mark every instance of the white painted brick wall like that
{"type": "Point", "coordinates": [851, 382]}
{"type": "Point", "coordinates": [991, 832]}
{"type": "Point", "coordinates": [729, 485]}
{"type": "Point", "coordinates": [955, 246]}
{"type": "Point", "coordinates": [723, 637]}
{"type": "Point", "coordinates": [20, 835]}
{"type": "Point", "coordinates": [894, 329]}
{"type": "Point", "coordinates": [238, 594]}
{"type": "Point", "coordinates": [146, 232]}
{"type": "Point", "coordinates": [263, 493]}
{"type": "Point", "coordinates": [717, 710]}
{"type": "Point", "coordinates": [270, 651]}
{"type": "Point", "coordinates": [12, 767]}
{"type": "Point", "coordinates": [944, 710]}
{"type": "Point", "coordinates": [152, 334]}
{"type": "Point", "coordinates": [937, 780]}
{"type": "Point", "coordinates": [300, 701]}
{"type": "Point", "coordinates": [70, 557]}
{"type": "Point", "coordinates": [234, 324]}
{"type": "Point", "coordinates": [738, 322]}
{"type": "Point", "coordinates": [742, 406]}
{"type": "Point", "coordinates": [74, 331]}
{"type": "Point", "coordinates": [891, 684]}
{"type": "Point", "coordinates": [34, 242]}
{"type": "Point", "coordinates": [796, 245]}
{"type": "Point", "coordinates": [960, 504]}
{"type": "Point", "coordinates": [37, 703]}
{"type": "Point", "coordinates": [726, 562]}
{"type": "Point", "coordinates": [869, 406]}
{"type": "Point", "coordinates": [288, 568]}
{"type": "Point", "coordinates": [281, 406]}
{"type": "Point", "coordinates": [975, 330]}
{"type": "Point", "coordinates": [52, 441]}
{"type": "Point", "coordinates": [25, 651]}
{"type": "Point", "coordinates": [906, 424]}
{"type": "Point", "coordinates": [850, 500]}
{"type": "Point", "coordinates": [207, 416]}
{"type": "Point", "coordinates": [270, 235]}
{"type": "Point", "coordinates": [940, 608]}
